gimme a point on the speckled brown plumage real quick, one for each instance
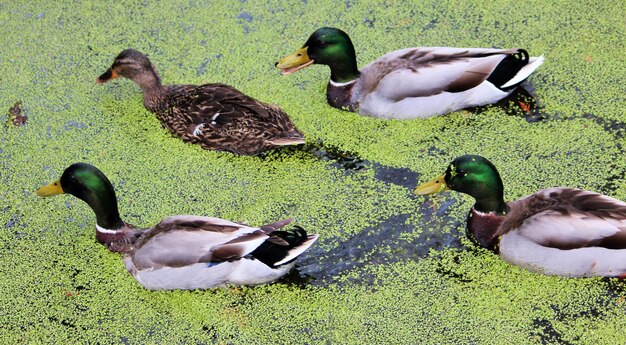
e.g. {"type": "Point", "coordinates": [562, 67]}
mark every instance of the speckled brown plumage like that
{"type": "Point", "coordinates": [215, 116]}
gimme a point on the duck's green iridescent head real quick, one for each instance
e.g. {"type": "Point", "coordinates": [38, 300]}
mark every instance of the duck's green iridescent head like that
{"type": "Point", "coordinates": [89, 184]}
{"type": "Point", "coordinates": [326, 46]}
{"type": "Point", "coordinates": [473, 175]}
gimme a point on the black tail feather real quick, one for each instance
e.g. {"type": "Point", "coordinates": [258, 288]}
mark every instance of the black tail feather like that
{"type": "Point", "coordinates": [508, 68]}
{"type": "Point", "coordinates": [277, 247]}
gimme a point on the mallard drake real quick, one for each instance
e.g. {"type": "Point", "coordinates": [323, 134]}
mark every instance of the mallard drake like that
{"type": "Point", "coordinates": [558, 231]}
{"type": "Point", "coordinates": [216, 116]}
{"type": "Point", "coordinates": [413, 82]}
{"type": "Point", "coordinates": [184, 252]}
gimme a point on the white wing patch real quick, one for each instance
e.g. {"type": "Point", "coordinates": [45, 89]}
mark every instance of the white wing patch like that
{"type": "Point", "coordinates": [214, 117]}
{"type": "Point", "coordinates": [198, 129]}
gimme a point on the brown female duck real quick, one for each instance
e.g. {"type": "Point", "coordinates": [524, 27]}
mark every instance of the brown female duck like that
{"type": "Point", "coordinates": [216, 116]}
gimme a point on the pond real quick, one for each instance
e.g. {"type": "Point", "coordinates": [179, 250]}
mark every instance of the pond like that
{"type": "Point", "coordinates": [389, 267]}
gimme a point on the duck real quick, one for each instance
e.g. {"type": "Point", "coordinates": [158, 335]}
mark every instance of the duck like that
{"type": "Point", "coordinates": [216, 116]}
{"type": "Point", "coordinates": [559, 231]}
{"type": "Point", "coordinates": [184, 252]}
{"type": "Point", "coordinates": [413, 82]}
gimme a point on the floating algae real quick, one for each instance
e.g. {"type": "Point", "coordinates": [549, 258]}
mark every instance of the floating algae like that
{"type": "Point", "coordinates": [62, 286]}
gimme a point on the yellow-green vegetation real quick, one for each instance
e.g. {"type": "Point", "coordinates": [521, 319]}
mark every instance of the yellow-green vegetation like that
{"type": "Point", "coordinates": [58, 285]}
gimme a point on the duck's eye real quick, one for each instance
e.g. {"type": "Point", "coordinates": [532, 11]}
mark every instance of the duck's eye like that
{"type": "Point", "coordinates": [461, 173]}
{"type": "Point", "coordinates": [323, 43]}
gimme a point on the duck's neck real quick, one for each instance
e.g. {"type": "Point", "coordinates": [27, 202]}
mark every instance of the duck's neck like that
{"type": "Point", "coordinates": [343, 70]}
{"type": "Point", "coordinates": [104, 205]}
{"type": "Point", "coordinates": [153, 89]}
{"type": "Point", "coordinates": [491, 203]}
{"type": "Point", "coordinates": [117, 240]}
{"type": "Point", "coordinates": [110, 229]}
{"type": "Point", "coordinates": [485, 217]}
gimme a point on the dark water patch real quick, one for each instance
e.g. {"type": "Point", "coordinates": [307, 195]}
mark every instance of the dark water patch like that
{"type": "Point", "coordinates": [369, 22]}
{"type": "Point", "coordinates": [618, 177]}
{"type": "Point", "coordinates": [15, 221]}
{"type": "Point", "coordinates": [615, 290]}
{"type": "Point", "coordinates": [403, 177]}
{"type": "Point", "coordinates": [71, 124]}
{"type": "Point", "coordinates": [297, 278]}
{"type": "Point", "coordinates": [211, 331]}
{"type": "Point", "coordinates": [66, 323]}
{"type": "Point", "coordinates": [450, 273]}
{"type": "Point", "coordinates": [546, 332]}
{"type": "Point", "coordinates": [347, 161]}
{"type": "Point", "coordinates": [596, 309]}
{"type": "Point", "coordinates": [246, 16]}
{"type": "Point", "coordinates": [202, 68]}
{"type": "Point", "coordinates": [382, 244]}
{"type": "Point", "coordinates": [430, 25]}
{"type": "Point", "coordinates": [340, 159]}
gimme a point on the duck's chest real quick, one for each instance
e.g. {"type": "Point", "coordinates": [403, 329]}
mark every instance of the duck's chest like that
{"type": "Point", "coordinates": [482, 228]}
{"type": "Point", "coordinates": [341, 95]}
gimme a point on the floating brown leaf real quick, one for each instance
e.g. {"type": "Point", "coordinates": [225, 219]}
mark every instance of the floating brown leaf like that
{"type": "Point", "coordinates": [16, 117]}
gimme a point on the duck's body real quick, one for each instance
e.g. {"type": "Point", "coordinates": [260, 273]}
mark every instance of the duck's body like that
{"type": "Point", "coordinates": [193, 252]}
{"type": "Point", "coordinates": [185, 252]}
{"type": "Point", "coordinates": [413, 82]}
{"type": "Point", "coordinates": [557, 231]}
{"type": "Point", "coordinates": [215, 116]}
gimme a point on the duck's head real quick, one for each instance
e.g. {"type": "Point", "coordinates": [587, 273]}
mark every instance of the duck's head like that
{"type": "Point", "coordinates": [473, 175]}
{"type": "Point", "coordinates": [89, 184]}
{"type": "Point", "coordinates": [133, 65]}
{"type": "Point", "coordinates": [326, 46]}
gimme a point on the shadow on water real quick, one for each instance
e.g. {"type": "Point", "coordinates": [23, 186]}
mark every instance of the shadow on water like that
{"type": "Point", "coordinates": [544, 329]}
{"type": "Point", "coordinates": [384, 243]}
{"type": "Point", "coordinates": [344, 160]}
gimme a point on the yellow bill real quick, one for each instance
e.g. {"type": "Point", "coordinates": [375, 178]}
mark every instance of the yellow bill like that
{"type": "Point", "coordinates": [435, 186]}
{"type": "Point", "coordinates": [294, 62]}
{"type": "Point", "coordinates": [51, 189]}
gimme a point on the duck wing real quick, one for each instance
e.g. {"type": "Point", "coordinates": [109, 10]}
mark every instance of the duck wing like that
{"type": "Point", "coordinates": [423, 72]}
{"type": "Point", "coordinates": [220, 117]}
{"type": "Point", "coordinates": [186, 240]}
{"type": "Point", "coordinates": [221, 105]}
{"type": "Point", "coordinates": [567, 218]}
